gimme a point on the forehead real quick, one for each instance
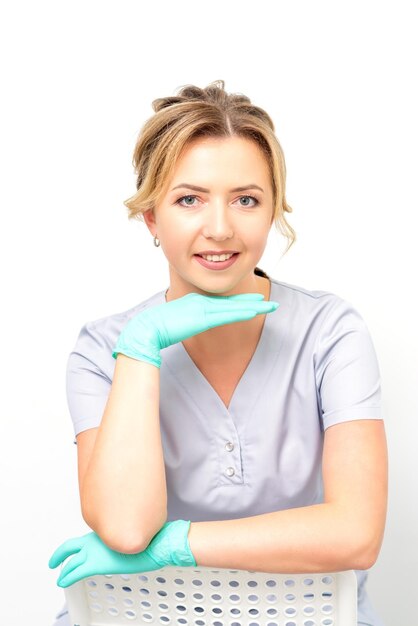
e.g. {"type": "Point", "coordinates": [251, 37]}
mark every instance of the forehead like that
{"type": "Point", "coordinates": [232, 157]}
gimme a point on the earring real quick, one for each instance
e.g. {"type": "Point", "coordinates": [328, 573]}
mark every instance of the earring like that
{"type": "Point", "coordinates": [155, 241]}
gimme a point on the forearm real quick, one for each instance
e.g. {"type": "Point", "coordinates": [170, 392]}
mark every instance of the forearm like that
{"type": "Point", "coordinates": [124, 495]}
{"type": "Point", "coordinates": [311, 539]}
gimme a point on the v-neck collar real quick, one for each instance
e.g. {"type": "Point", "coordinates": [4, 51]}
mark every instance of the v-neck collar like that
{"type": "Point", "coordinates": [249, 387]}
{"type": "Point", "coordinates": [255, 358]}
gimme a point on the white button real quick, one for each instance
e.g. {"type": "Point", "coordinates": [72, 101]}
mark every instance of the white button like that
{"type": "Point", "coordinates": [230, 471]}
{"type": "Point", "coordinates": [229, 446]}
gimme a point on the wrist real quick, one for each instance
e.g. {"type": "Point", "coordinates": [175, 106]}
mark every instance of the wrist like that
{"type": "Point", "coordinates": [144, 354]}
{"type": "Point", "coordinates": [136, 379]}
{"type": "Point", "coordinates": [134, 369]}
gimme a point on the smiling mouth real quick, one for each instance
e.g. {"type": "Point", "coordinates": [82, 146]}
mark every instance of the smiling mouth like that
{"type": "Point", "coordinates": [229, 255]}
{"type": "Point", "coordinates": [213, 264]}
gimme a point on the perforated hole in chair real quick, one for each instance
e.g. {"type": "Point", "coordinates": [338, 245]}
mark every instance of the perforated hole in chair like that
{"type": "Point", "coordinates": [206, 597]}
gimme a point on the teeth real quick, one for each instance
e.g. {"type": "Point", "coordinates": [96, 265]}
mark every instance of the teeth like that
{"type": "Point", "coordinates": [216, 257]}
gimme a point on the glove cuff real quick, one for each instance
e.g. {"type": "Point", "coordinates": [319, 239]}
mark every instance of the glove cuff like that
{"type": "Point", "coordinates": [147, 354]}
{"type": "Point", "coordinates": [182, 554]}
{"type": "Point", "coordinates": [170, 546]}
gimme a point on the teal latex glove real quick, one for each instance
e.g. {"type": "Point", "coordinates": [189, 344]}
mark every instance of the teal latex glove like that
{"type": "Point", "coordinates": [170, 546]}
{"type": "Point", "coordinates": [156, 328]}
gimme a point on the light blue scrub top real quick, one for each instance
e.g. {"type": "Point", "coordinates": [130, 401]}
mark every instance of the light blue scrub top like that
{"type": "Point", "coordinates": [314, 366]}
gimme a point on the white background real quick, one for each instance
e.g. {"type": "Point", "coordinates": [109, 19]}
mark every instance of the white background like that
{"type": "Point", "coordinates": [78, 78]}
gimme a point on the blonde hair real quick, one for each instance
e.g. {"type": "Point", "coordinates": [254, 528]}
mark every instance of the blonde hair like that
{"type": "Point", "coordinates": [194, 113]}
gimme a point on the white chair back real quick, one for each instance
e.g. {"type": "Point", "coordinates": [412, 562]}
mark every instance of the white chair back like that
{"type": "Point", "coordinates": [205, 596]}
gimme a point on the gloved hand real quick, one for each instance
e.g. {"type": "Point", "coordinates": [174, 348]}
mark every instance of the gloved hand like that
{"type": "Point", "coordinates": [170, 546]}
{"type": "Point", "coordinates": [156, 328]}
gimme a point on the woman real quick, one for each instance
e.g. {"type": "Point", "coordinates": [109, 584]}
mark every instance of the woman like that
{"type": "Point", "coordinates": [232, 420]}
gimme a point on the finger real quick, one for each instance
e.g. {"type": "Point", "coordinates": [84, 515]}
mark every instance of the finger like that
{"type": "Point", "coordinates": [73, 577]}
{"type": "Point", "coordinates": [270, 305]}
{"type": "Point", "coordinates": [66, 549]}
{"type": "Point", "coordinates": [219, 319]}
{"type": "Point", "coordinates": [72, 564]}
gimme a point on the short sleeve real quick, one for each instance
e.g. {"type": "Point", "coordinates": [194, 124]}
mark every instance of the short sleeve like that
{"type": "Point", "coordinates": [88, 378]}
{"type": "Point", "coordinates": [346, 367]}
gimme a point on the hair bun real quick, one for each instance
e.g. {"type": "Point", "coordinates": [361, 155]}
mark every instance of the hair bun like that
{"type": "Point", "coordinates": [163, 103]}
{"type": "Point", "coordinates": [214, 92]}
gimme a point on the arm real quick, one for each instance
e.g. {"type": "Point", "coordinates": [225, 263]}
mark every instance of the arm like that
{"type": "Point", "coordinates": [343, 532]}
{"type": "Point", "coordinates": [121, 473]}
{"type": "Point", "coordinates": [121, 465]}
{"type": "Point", "coordinates": [123, 490]}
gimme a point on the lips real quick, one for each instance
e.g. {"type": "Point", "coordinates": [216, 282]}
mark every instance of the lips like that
{"type": "Point", "coordinates": [218, 252]}
{"type": "Point", "coordinates": [216, 265]}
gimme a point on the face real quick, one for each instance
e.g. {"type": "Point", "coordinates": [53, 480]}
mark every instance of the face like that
{"type": "Point", "coordinates": [217, 217]}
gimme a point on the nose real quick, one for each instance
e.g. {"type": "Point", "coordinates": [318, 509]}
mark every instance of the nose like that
{"type": "Point", "coordinates": [218, 222]}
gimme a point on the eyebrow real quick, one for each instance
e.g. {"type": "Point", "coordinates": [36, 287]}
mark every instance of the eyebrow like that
{"type": "Point", "coordinates": [196, 188]}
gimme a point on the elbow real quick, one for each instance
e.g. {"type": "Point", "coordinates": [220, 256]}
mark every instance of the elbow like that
{"type": "Point", "coordinates": [123, 539]}
{"type": "Point", "coordinates": [364, 561]}
{"type": "Point", "coordinates": [369, 557]}
{"type": "Point", "coordinates": [123, 543]}
{"type": "Point", "coordinates": [359, 539]}
{"type": "Point", "coordinates": [366, 553]}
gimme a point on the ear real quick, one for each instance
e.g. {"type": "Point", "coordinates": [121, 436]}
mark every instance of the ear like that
{"type": "Point", "coordinates": [149, 219]}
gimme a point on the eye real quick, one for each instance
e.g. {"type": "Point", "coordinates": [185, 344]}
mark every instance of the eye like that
{"type": "Point", "coordinates": [251, 198]}
{"type": "Point", "coordinates": [180, 200]}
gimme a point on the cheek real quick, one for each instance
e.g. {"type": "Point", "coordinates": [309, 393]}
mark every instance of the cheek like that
{"type": "Point", "coordinates": [175, 246]}
{"type": "Point", "coordinates": [256, 238]}
{"type": "Point", "coordinates": [172, 249]}
{"type": "Point", "coordinates": [178, 236]}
